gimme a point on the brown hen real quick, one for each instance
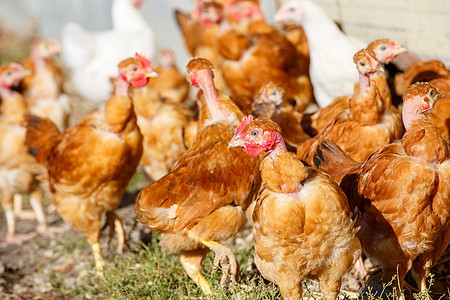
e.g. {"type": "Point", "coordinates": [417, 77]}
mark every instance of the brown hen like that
{"type": "Point", "coordinates": [200, 32]}
{"type": "Point", "coordinates": [438, 75]}
{"type": "Point", "coordinates": [170, 83]}
{"type": "Point", "coordinates": [159, 116]}
{"type": "Point", "coordinates": [19, 170]}
{"type": "Point", "coordinates": [256, 53]}
{"type": "Point", "coordinates": [271, 104]}
{"type": "Point", "coordinates": [201, 202]}
{"type": "Point", "coordinates": [89, 166]}
{"type": "Point", "coordinates": [385, 50]}
{"type": "Point", "coordinates": [401, 192]}
{"type": "Point", "coordinates": [302, 219]}
{"type": "Point", "coordinates": [42, 89]}
{"type": "Point", "coordinates": [367, 125]}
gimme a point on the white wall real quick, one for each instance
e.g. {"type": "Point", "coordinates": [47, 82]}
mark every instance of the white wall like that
{"type": "Point", "coordinates": [423, 26]}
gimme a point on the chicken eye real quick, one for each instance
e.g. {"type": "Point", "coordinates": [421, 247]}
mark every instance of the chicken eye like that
{"type": "Point", "coordinates": [134, 69]}
{"type": "Point", "coordinates": [362, 64]}
{"type": "Point", "coordinates": [383, 48]}
{"type": "Point", "coordinates": [254, 133]}
{"type": "Point", "coordinates": [9, 73]}
{"type": "Point", "coordinates": [432, 93]}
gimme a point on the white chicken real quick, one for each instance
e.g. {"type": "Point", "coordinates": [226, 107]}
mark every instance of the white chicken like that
{"type": "Point", "coordinates": [331, 67]}
{"type": "Point", "coordinates": [92, 57]}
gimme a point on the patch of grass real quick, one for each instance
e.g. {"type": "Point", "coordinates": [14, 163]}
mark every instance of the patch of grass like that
{"type": "Point", "coordinates": [148, 272]}
{"type": "Point", "coordinates": [69, 241]}
{"type": "Point", "coordinates": [151, 273]}
{"type": "Point", "coordinates": [137, 182]}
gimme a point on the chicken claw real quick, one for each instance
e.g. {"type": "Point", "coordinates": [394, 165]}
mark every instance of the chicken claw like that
{"type": "Point", "coordinates": [223, 257]}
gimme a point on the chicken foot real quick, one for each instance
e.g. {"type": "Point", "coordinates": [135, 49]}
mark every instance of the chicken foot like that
{"type": "Point", "coordinates": [224, 257]}
{"type": "Point", "coordinates": [115, 225]}
{"type": "Point", "coordinates": [192, 263]}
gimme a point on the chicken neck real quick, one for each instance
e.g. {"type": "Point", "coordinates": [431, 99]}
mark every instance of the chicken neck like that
{"type": "Point", "coordinates": [122, 87]}
{"type": "Point", "coordinates": [279, 145]}
{"type": "Point", "coordinates": [5, 91]}
{"type": "Point", "coordinates": [38, 60]}
{"type": "Point", "coordinates": [364, 82]}
{"type": "Point", "coordinates": [410, 113]}
{"type": "Point", "coordinates": [205, 81]}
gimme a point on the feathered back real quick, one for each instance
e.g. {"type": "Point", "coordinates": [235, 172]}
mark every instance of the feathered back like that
{"type": "Point", "coordinates": [39, 137]}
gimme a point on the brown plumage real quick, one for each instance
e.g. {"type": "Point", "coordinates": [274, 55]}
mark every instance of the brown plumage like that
{"type": "Point", "coordinates": [19, 170]}
{"type": "Point", "coordinates": [385, 50]}
{"type": "Point", "coordinates": [89, 166]}
{"type": "Point", "coordinates": [402, 193]}
{"type": "Point", "coordinates": [440, 115]}
{"type": "Point", "coordinates": [438, 75]}
{"type": "Point", "coordinates": [170, 83]}
{"type": "Point", "coordinates": [302, 225]}
{"type": "Point", "coordinates": [419, 71]}
{"type": "Point", "coordinates": [42, 89]}
{"type": "Point", "coordinates": [163, 123]}
{"type": "Point", "coordinates": [366, 126]}
{"type": "Point", "coordinates": [297, 37]}
{"type": "Point", "coordinates": [200, 31]}
{"type": "Point", "coordinates": [256, 53]}
{"type": "Point", "coordinates": [272, 104]}
{"type": "Point", "coordinates": [201, 201]}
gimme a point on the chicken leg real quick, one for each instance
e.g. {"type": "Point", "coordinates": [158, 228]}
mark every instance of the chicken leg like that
{"type": "Point", "coordinates": [36, 197]}
{"type": "Point", "coordinates": [7, 201]}
{"type": "Point", "coordinates": [115, 225]}
{"type": "Point", "coordinates": [420, 271]}
{"type": "Point", "coordinates": [97, 257]}
{"type": "Point", "coordinates": [192, 263]}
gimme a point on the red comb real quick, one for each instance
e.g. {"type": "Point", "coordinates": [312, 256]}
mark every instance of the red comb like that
{"type": "Point", "coordinates": [145, 62]}
{"type": "Point", "coordinates": [245, 121]}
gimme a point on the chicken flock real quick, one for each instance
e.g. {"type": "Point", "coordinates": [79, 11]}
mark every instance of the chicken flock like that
{"type": "Point", "coordinates": [326, 167]}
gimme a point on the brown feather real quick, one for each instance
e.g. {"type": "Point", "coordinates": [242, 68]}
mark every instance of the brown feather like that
{"type": "Point", "coordinates": [40, 136]}
{"type": "Point", "coordinates": [303, 234]}
{"type": "Point", "coordinates": [207, 177]}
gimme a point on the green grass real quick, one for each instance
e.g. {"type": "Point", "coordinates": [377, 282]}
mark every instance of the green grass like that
{"type": "Point", "coordinates": [147, 272]}
{"type": "Point", "coordinates": [150, 273]}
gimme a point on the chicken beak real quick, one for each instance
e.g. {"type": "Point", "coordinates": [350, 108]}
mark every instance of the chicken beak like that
{"type": "Point", "coordinates": [433, 100]}
{"type": "Point", "coordinates": [151, 74]}
{"type": "Point", "coordinates": [380, 68]}
{"type": "Point", "coordinates": [400, 49]}
{"type": "Point", "coordinates": [236, 142]}
{"type": "Point", "coordinates": [441, 95]}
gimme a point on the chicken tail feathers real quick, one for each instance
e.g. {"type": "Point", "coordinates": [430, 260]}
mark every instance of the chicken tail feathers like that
{"type": "Point", "coordinates": [330, 158]}
{"type": "Point", "coordinates": [306, 124]}
{"type": "Point", "coordinates": [40, 134]}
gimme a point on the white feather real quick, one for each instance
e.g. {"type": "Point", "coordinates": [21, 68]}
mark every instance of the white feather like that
{"type": "Point", "coordinates": [332, 71]}
{"type": "Point", "coordinates": [93, 56]}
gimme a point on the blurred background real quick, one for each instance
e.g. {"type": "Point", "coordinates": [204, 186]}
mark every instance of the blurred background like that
{"type": "Point", "coordinates": [422, 26]}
